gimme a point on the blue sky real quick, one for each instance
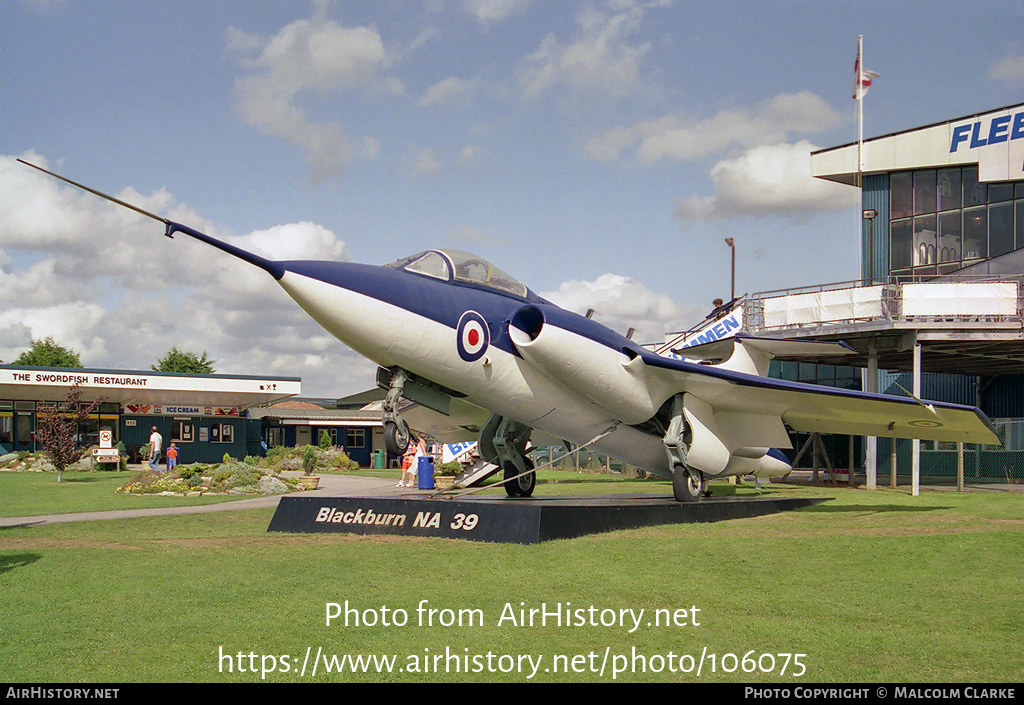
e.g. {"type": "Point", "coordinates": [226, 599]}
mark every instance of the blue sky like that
{"type": "Point", "coordinates": [599, 151]}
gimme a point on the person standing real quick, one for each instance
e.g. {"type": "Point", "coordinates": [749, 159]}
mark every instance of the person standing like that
{"type": "Point", "coordinates": [407, 459]}
{"type": "Point", "coordinates": [156, 442]}
{"type": "Point", "coordinates": [421, 451]}
{"type": "Point", "coordinates": [172, 458]}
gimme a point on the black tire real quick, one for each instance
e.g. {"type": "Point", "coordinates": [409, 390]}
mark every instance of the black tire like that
{"type": "Point", "coordinates": [687, 484]}
{"type": "Point", "coordinates": [396, 437]}
{"type": "Point", "coordinates": [522, 486]}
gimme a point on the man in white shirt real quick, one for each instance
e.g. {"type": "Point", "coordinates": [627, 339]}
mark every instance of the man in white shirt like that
{"type": "Point", "coordinates": [155, 443]}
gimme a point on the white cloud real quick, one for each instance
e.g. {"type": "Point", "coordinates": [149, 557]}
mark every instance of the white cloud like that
{"type": "Point", "coordinates": [622, 303]}
{"type": "Point", "coordinates": [295, 241]}
{"type": "Point", "coordinates": [103, 281]}
{"type": "Point", "coordinates": [422, 163]}
{"type": "Point", "coordinates": [488, 11]}
{"type": "Point", "coordinates": [773, 179]}
{"type": "Point", "coordinates": [315, 56]}
{"type": "Point", "coordinates": [601, 60]}
{"type": "Point", "coordinates": [450, 90]}
{"type": "Point", "coordinates": [1009, 70]}
{"type": "Point", "coordinates": [73, 324]}
{"type": "Point", "coordinates": [681, 139]}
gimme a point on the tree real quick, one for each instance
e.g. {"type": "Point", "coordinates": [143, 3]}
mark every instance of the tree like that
{"type": "Point", "coordinates": [48, 353]}
{"type": "Point", "coordinates": [57, 428]}
{"type": "Point", "coordinates": [181, 361]}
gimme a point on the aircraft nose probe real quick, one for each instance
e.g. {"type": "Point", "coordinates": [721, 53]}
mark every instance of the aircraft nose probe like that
{"type": "Point", "coordinates": [275, 269]}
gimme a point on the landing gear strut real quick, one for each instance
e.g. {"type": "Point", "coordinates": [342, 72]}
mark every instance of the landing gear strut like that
{"type": "Point", "coordinates": [688, 483]}
{"type": "Point", "coordinates": [503, 442]}
{"type": "Point", "coordinates": [396, 430]}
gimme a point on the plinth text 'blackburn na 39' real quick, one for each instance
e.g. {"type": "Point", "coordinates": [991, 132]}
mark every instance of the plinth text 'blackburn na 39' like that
{"type": "Point", "coordinates": [455, 333]}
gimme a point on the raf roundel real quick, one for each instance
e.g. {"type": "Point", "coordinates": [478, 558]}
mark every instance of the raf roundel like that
{"type": "Point", "coordinates": [473, 336]}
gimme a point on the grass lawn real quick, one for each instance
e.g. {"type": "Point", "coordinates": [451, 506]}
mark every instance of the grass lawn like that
{"type": "Point", "coordinates": [870, 586]}
{"type": "Point", "coordinates": [35, 493]}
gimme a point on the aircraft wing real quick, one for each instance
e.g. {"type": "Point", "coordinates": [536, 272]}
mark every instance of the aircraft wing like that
{"type": "Point", "coordinates": [817, 408]}
{"type": "Point", "coordinates": [462, 423]}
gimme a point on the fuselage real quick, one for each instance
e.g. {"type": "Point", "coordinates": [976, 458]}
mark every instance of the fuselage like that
{"type": "Point", "coordinates": [458, 334]}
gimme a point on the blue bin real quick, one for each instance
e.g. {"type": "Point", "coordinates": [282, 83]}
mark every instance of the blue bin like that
{"type": "Point", "coordinates": [425, 473]}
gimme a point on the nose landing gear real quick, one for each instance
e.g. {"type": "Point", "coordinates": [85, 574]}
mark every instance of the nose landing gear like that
{"type": "Point", "coordinates": [396, 430]}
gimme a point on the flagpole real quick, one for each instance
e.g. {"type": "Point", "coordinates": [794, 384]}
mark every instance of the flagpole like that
{"type": "Point", "coordinates": [860, 108]}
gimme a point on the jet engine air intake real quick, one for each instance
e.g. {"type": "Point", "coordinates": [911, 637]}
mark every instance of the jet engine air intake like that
{"type": "Point", "coordinates": [610, 377]}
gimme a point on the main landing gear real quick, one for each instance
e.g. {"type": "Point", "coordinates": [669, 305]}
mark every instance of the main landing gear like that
{"type": "Point", "coordinates": [688, 483]}
{"type": "Point", "coordinates": [503, 442]}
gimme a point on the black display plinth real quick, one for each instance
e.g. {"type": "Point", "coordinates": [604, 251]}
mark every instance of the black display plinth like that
{"type": "Point", "coordinates": [504, 520]}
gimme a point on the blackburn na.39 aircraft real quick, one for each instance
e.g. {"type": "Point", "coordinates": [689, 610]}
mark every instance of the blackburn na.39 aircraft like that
{"type": "Point", "coordinates": [455, 333]}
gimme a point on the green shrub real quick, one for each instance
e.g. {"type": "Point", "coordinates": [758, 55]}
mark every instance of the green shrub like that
{"type": "Point", "coordinates": [187, 472]}
{"type": "Point", "coordinates": [325, 440]}
{"type": "Point", "coordinates": [244, 476]}
{"type": "Point", "coordinates": [309, 459]}
{"type": "Point", "coordinates": [276, 453]}
{"type": "Point", "coordinates": [452, 468]}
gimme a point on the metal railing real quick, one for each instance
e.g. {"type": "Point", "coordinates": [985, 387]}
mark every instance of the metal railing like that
{"type": "Point", "coordinates": [890, 300]}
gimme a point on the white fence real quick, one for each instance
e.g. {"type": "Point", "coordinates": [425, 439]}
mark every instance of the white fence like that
{"type": "Point", "coordinates": [978, 301]}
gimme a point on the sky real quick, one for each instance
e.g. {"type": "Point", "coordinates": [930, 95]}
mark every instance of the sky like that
{"type": "Point", "coordinates": [599, 151]}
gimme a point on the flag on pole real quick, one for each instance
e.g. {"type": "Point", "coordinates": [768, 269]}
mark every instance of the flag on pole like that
{"type": "Point", "coordinates": [861, 78]}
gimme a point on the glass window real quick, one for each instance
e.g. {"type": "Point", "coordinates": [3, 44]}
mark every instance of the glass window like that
{"type": "Point", "coordinates": [924, 240]}
{"type": "Point", "coordinates": [975, 233]}
{"type": "Point", "coordinates": [472, 269]}
{"type": "Point", "coordinates": [355, 438]}
{"type": "Point", "coordinates": [1019, 207]}
{"type": "Point", "coordinates": [275, 437]}
{"type": "Point", "coordinates": [1000, 228]}
{"type": "Point", "coordinates": [23, 429]}
{"type": "Point", "coordinates": [901, 195]}
{"type": "Point", "coordinates": [6, 428]}
{"type": "Point", "coordinates": [949, 189]}
{"type": "Point", "coordinates": [901, 245]}
{"type": "Point", "coordinates": [1000, 192]}
{"type": "Point", "coordinates": [432, 264]}
{"type": "Point", "coordinates": [974, 190]}
{"type": "Point", "coordinates": [948, 246]}
{"type": "Point", "coordinates": [183, 432]}
{"type": "Point", "coordinates": [924, 191]}
{"type": "Point", "coordinates": [222, 433]}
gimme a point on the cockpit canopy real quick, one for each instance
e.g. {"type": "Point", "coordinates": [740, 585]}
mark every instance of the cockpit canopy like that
{"type": "Point", "coordinates": [459, 266]}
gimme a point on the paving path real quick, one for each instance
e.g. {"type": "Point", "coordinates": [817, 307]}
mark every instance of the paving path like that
{"type": "Point", "coordinates": [330, 486]}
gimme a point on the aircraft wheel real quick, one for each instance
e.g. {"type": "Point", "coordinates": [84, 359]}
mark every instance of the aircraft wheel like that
{"type": "Point", "coordinates": [396, 437]}
{"type": "Point", "coordinates": [687, 484]}
{"type": "Point", "coordinates": [523, 486]}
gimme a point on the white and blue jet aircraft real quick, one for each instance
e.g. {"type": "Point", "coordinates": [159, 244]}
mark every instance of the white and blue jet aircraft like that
{"type": "Point", "coordinates": [463, 338]}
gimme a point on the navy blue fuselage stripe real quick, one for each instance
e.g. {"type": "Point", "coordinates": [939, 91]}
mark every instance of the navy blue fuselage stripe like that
{"type": "Point", "coordinates": [437, 300]}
